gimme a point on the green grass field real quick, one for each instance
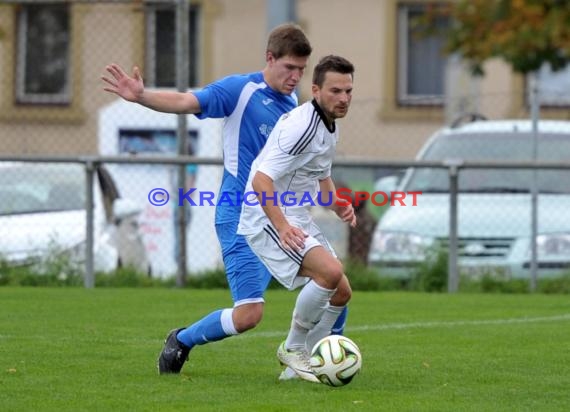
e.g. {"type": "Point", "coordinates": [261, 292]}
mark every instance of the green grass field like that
{"type": "Point", "coordinates": [71, 349]}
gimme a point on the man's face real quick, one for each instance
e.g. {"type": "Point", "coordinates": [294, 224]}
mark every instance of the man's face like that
{"type": "Point", "coordinates": [286, 72]}
{"type": "Point", "coordinates": [335, 94]}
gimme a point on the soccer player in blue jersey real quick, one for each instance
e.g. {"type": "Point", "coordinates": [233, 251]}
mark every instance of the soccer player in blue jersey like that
{"type": "Point", "coordinates": [251, 104]}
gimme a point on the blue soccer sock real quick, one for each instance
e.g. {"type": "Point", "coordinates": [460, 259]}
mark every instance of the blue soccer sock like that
{"type": "Point", "coordinates": [338, 327]}
{"type": "Point", "coordinates": [216, 326]}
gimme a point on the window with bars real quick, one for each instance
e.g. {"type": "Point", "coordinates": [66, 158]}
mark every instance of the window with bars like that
{"type": "Point", "coordinates": [43, 54]}
{"type": "Point", "coordinates": [553, 87]}
{"type": "Point", "coordinates": [161, 46]}
{"type": "Point", "coordinates": [421, 61]}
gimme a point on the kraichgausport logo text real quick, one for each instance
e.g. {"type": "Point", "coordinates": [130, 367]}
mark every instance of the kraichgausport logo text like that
{"type": "Point", "coordinates": [344, 196]}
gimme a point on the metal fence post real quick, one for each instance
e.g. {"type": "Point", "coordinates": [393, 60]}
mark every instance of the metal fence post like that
{"type": "Point", "coordinates": [89, 280]}
{"type": "Point", "coordinates": [534, 183]}
{"type": "Point", "coordinates": [182, 69]}
{"type": "Point", "coordinates": [453, 275]}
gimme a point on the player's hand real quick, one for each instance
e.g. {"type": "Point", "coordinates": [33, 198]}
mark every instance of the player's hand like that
{"type": "Point", "coordinates": [292, 238]}
{"type": "Point", "coordinates": [346, 214]}
{"type": "Point", "coordinates": [123, 85]}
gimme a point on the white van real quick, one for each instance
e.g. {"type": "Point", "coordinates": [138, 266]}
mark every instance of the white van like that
{"type": "Point", "coordinates": [129, 129]}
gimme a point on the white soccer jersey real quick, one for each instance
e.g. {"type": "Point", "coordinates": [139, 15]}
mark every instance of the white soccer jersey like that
{"type": "Point", "coordinates": [298, 153]}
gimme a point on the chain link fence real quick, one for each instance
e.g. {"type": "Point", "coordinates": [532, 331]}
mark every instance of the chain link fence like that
{"type": "Point", "coordinates": [53, 109]}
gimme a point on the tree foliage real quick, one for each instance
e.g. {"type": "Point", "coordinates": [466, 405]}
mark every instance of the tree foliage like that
{"type": "Point", "coordinates": [525, 33]}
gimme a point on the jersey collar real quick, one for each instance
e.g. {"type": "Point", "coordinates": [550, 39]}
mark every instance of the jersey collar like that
{"type": "Point", "coordinates": [332, 127]}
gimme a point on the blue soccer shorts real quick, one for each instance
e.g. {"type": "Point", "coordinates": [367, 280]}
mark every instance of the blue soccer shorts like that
{"type": "Point", "coordinates": [247, 277]}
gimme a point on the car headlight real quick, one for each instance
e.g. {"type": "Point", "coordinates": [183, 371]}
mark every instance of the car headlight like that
{"type": "Point", "coordinates": [553, 245]}
{"type": "Point", "coordinates": [410, 245]}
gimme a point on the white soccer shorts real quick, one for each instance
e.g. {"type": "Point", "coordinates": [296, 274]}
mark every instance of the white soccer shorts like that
{"type": "Point", "coordinates": [284, 264]}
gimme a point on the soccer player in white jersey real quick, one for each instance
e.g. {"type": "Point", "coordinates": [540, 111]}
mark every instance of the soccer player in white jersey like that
{"type": "Point", "coordinates": [251, 104]}
{"type": "Point", "coordinates": [291, 174]}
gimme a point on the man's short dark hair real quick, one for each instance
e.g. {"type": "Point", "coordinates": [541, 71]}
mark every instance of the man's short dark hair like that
{"type": "Point", "coordinates": [288, 39]}
{"type": "Point", "coordinates": [331, 63]}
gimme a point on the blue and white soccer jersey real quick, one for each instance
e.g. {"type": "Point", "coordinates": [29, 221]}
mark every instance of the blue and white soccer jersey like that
{"type": "Point", "coordinates": [297, 155]}
{"type": "Point", "coordinates": [250, 109]}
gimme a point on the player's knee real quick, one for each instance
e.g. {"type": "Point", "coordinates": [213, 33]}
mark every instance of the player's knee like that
{"type": "Point", "coordinates": [333, 275]}
{"type": "Point", "coordinates": [247, 317]}
{"type": "Point", "coordinates": [345, 294]}
{"type": "Point", "coordinates": [329, 275]}
{"type": "Point", "coordinates": [342, 295]}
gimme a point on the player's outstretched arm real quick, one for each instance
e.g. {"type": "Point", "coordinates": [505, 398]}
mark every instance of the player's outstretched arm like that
{"type": "Point", "coordinates": [131, 88]}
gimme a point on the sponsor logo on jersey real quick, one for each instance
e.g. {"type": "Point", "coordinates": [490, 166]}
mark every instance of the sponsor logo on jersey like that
{"type": "Point", "coordinates": [265, 130]}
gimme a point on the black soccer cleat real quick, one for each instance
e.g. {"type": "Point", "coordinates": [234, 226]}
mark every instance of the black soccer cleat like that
{"type": "Point", "coordinates": [173, 355]}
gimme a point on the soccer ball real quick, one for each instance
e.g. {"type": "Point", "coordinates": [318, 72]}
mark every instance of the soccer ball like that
{"type": "Point", "coordinates": [335, 360]}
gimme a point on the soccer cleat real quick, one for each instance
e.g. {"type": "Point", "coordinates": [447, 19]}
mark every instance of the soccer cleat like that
{"type": "Point", "coordinates": [288, 374]}
{"type": "Point", "coordinates": [173, 355]}
{"type": "Point", "coordinates": [298, 361]}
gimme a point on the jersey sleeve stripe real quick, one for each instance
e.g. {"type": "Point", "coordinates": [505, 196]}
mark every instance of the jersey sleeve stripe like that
{"type": "Point", "coordinates": [307, 135]}
{"type": "Point", "coordinates": [308, 141]}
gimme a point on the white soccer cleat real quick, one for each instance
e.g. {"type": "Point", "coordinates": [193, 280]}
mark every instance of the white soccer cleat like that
{"type": "Point", "coordinates": [298, 361]}
{"type": "Point", "coordinates": [288, 374]}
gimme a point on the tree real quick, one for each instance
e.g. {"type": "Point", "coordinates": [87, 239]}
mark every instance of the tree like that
{"type": "Point", "coordinates": [524, 33]}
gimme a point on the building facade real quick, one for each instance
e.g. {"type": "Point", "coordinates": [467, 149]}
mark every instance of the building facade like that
{"type": "Point", "coordinates": [54, 53]}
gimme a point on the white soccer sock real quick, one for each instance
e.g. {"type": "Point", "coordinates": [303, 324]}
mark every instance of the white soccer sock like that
{"type": "Point", "coordinates": [226, 319]}
{"type": "Point", "coordinates": [309, 308]}
{"type": "Point", "coordinates": [323, 328]}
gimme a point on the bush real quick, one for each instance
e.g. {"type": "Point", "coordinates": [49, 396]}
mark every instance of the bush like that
{"type": "Point", "coordinates": [211, 279]}
{"type": "Point", "coordinates": [491, 283]}
{"type": "Point", "coordinates": [129, 277]}
{"type": "Point", "coordinates": [431, 275]}
{"type": "Point", "coordinates": [555, 285]}
{"type": "Point", "coordinates": [362, 277]}
{"type": "Point", "coordinates": [28, 276]}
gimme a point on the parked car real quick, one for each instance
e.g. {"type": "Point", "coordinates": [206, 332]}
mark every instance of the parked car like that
{"type": "Point", "coordinates": [43, 212]}
{"type": "Point", "coordinates": [494, 205]}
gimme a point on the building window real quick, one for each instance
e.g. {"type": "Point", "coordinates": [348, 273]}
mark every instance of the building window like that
{"type": "Point", "coordinates": [553, 87]}
{"type": "Point", "coordinates": [161, 46]}
{"type": "Point", "coordinates": [421, 59]}
{"type": "Point", "coordinates": [43, 75]}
